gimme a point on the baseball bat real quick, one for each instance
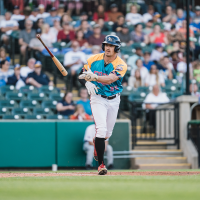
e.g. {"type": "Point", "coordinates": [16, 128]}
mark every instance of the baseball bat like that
{"type": "Point", "coordinates": [55, 60]}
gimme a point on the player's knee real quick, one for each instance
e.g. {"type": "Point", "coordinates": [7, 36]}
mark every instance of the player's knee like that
{"type": "Point", "coordinates": [101, 132]}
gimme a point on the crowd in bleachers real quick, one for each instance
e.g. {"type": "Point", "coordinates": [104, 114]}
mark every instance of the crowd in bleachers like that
{"type": "Point", "coordinates": [153, 36]}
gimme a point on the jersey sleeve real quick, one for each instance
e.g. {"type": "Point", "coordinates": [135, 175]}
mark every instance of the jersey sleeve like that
{"type": "Point", "coordinates": [88, 63]}
{"type": "Point", "coordinates": [120, 70]}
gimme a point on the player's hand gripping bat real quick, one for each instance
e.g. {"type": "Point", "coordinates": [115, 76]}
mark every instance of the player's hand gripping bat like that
{"type": "Point", "coordinates": [55, 60]}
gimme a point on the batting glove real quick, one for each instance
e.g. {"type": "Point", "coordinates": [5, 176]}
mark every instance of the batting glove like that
{"type": "Point", "coordinates": [91, 88]}
{"type": "Point", "coordinates": [88, 75]}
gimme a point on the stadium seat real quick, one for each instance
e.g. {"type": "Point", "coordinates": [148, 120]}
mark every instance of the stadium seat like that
{"type": "Point", "coordinates": [48, 89]}
{"type": "Point", "coordinates": [54, 117]}
{"type": "Point", "coordinates": [33, 117]}
{"type": "Point", "coordinates": [127, 50]}
{"type": "Point", "coordinates": [49, 104]}
{"type": "Point", "coordinates": [29, 104]}
{"type": "Point", "coordinates": [42, 111]}
{"type": "Point", "coordinates": [37, 96]}
{"type": "Point", "coordinates": [11, 117]}
{"type": "Point", "coordinates": [15, 96]}
{"type": "Point", "coordinates": [109, 25]}
{"type": "Point", "coordinates": [7, 88]}
{"type": "Point", "coordinates": [137, 97]}
{"type": "Point", "coordinates": [4, 111]}
{"type": "Point", "coordinates": [20, 111]}
{"type": "Point", "coordinates": [28, 89]}
{"type": "Point", "coordinates": [56, 97]}
{"type": "Point", "coordinates": [144, 89]}
{"type": "Point", "coordinates": [8, 104]}
{"type": "Point", "coordinates": [170, 88]}
{"type": "Point", "coordinates": [2, 97]}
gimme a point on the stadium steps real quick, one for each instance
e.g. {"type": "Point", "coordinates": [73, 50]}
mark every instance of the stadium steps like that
{"type": "Point", "coordinates": [150, 145]}
{"type": "Point", "coordinates": [159, 159]}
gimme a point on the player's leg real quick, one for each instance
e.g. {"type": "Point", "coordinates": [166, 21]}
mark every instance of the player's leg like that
{"type": "Point", "coordinates": [89, 149]}
{"type": "Point", "coordinates": [99, 111]}
{"type": "Point", "coordinates": [112, 115]}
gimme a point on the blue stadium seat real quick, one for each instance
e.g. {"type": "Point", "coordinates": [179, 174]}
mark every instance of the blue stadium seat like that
{"type": "Point", "coordinates": [49, 104]}
{"type": "Point", "coordinates": [7, 88]}
{"type": "Point", "coordinates": [34, 117]}
{"type": "Point", "coordinates": [37, 96]}
{"type": "Point", "coordinates": [28, 89]}
{"type": "Point", "coordinates": [48, 89]}
{"type": "Point", "coordinates": [15, 96]}
{"type": "Point", "coordinates": [8, 104]}
{"type": "Point", "coordinates": [42, 111]}
{"type": "Point", "coordinates": [20, 111]}
{"type": "Point", "coordinates": [15, 117]}
{"type": "Point", "coordinates": [29, 104]}
{"type": "Point", "coordinates": [54, 117]}
{"type": "Point", "coordinates": [56, 97]}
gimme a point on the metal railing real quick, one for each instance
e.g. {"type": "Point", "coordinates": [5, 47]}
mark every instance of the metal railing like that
{"type": "Point", "coordinates": [153, 125]}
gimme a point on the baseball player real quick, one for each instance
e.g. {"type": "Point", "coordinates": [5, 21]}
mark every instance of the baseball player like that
{"type": "Point", "coordinates": [102, 76]}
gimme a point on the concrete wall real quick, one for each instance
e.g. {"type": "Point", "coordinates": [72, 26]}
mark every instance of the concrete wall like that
{"type": "Point", "coordinates": [184, 116]}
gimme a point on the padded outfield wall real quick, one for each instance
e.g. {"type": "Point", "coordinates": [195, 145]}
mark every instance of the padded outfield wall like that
{"type": "Point", "coordinates": [43, 143]}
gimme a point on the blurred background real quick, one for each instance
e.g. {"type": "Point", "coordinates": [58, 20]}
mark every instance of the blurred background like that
{"type": "Point", "coordinates": [46, 118]}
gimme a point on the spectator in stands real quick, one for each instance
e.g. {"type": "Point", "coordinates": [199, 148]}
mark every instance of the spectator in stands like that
{"type": "Point", "coordinates": [38, 78]}
{"type": "Point", "coordinates": [86, 29]}
{"type": "Point", "coordinates": [174, 47]}
{"type": "Point", "coordinates": [34, 15]}
{"type": "Point", "coordinates": [157, 53]}
{"type": "Point", "coordinates": [16, 14]}
{"type": "Point", "coordinates": [154, 77]}
{"type": "Point", "coordinates": [56, 28]}
{"type": "Point", "coordinates": [114, 14]}
{"type": "Point", "coordinates": [61, 10]}
{"type": "Point", "coordinates": [46, 4]}
{"type": "Point", "coordinates": [74, 59]}
{"type": "Point", "coordinates": [88, 147]}
{"type": "Point", "coordinates": [80, 39]}
{"type": "Point", "coordinates": [7, 26]}
{"type": "Point", "coordinates": [66, 106]}
{"type": "Point", "coordinates": [117, 26]}
{"type": "Point", "coordinates": [53, 16]}
{"type": "Point", "coordinates": [147, 62]}
{"type": "Point", "coordinates": [134, 17]}
{"type": "Point", "coordinates": [132, 59]}
{"type": "Point", "coordinates": [3, 54]}
{"type": "Point", "coordinates": [47, 34]}
{"type": "Point", "coordinates": [157, 36]}
{"type": "Point", "coordinates": [182, 65]}
{"type": "Point", "coordinates": [156, 18]}
{"type": "Point", "coordinates": [80, 114]}
{"type": "Point", "coordinates": [135, 80]}
{"type": "Point", "coordinates": [166, 68]}
{"type": "Point", "coordinates": [143, 70]}
{"type": "Point", "coordinates": [196, 17]}
{"type": "Point", "coordinates": [194, 90]}
{"type": "Point", "coordinates": [37, 46]}
{"type": "Point", "coordinates": [148, 28]}
{"type": "Point", "coordinates": [175, 35]}
{"type": "Point", "coordinates": [183, 29]}
{"type": "Point", "coordinates": [124, 35]}
{"type": "Point", "coordinates": [27, 12]}
{"type": "Point", "coordinates": [196, 71]}
{"type": "Point", "coordinates": [10, 4]}
{"type": "Point", "coordinates": [75, 5]}
{"type": "Point", "coordinates": [65, 35]}
{"type": "Point", "coordinates": [151, 101]}
{"type": "Point", "coordinates": [95, 50]}
{"type": "Point", "coordinates": [42, 13]}
{"type": "Point", "coordinates": [100, 14]}
{"type": "Point", "coordinates": [174, 59]}
{"type": "Point", "coordinates": [16, 79]}
{"type": "Point", "coordinates": [149, 15]}
{"type": "Point", "coordinates": [65, 18]}
{"type": "Point", "coordinates": [83, 16]}
{"type": "Point", "coordinates": [169, 14]}
{"type": "Point", "coordinates": [180, 16]}
{"type": "Point", "coordinates": [5, 72]}
{"type": "Point", "coordinates": [97, 38]}
{"type": "Point", "coordinates": [39, 23]}
{"type": "Point", "coordinates": [25, 37]}
{"type": "Point", "coordinates": [102, 25]}
{"type": "Point", "coordinates": [137, 36]}
{"type": "Point", "coordinates": [84, 101]}
{"type": "Point", "coordinates": [24, 71]}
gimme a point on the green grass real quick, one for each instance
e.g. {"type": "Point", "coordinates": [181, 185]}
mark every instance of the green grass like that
{"type": "Point", "coordinates": [101, 188]}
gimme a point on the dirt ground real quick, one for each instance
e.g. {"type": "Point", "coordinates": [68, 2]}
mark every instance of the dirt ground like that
{"type": "Point", "coordinates": [112, 173]}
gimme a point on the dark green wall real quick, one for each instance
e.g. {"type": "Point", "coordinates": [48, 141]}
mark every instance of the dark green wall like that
{"type": "Point", "coordinates": [43, 143]}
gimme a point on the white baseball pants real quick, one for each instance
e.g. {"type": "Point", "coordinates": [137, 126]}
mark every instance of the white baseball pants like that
{"type": "Point", "coordinates": [89, 150]}
{"type": "Point", "coordinates": [105, 114]}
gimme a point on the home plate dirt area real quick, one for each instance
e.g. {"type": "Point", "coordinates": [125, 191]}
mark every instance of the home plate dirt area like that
{"type": "Point", "coordinates": [133, 173]}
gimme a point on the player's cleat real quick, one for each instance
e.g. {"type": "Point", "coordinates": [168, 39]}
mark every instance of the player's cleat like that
{"type": "Point", "coordinates": [95, 152]}
{"type": "Point", "coordinates": [102, 169]}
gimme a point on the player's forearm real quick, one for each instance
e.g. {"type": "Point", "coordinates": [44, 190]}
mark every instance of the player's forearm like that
{"type": "Point", "coordinates": [107, 79]}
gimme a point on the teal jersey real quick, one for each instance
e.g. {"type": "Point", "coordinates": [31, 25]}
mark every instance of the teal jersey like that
{"type": "Point", "coordinates": [118, 67]}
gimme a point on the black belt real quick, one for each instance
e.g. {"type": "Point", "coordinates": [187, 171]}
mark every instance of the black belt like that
{"type": "Point", "coordinates": [109, 98]}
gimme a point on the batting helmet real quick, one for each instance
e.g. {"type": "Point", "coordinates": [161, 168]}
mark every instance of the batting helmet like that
{"type": "Point", "coordinates": [114, 40]}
